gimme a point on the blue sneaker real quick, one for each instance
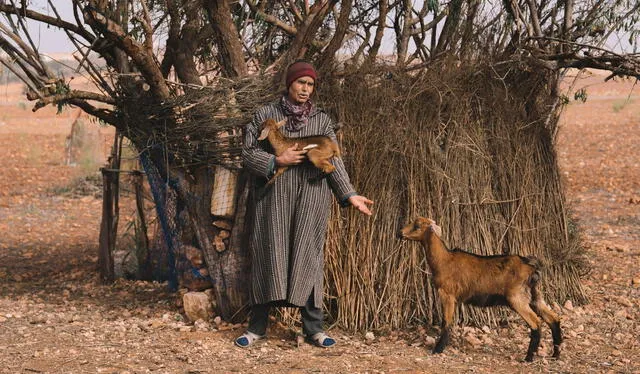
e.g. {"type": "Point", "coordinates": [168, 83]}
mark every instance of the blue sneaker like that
{"type": "Point", "coordinates": [322, 340]}
{"type": "Point", "coordinates": [247, 339]}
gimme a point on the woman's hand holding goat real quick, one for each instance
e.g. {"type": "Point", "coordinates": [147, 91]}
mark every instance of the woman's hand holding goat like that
{"type": "Point", "coordinates": [291, 156]}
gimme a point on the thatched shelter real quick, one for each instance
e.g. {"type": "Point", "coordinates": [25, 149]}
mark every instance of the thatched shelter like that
{"type": "Point", "coordinates": [471, 147]}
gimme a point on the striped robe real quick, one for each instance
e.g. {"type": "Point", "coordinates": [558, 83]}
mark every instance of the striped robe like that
{"type": "Point", "coordinates": [290, 217]}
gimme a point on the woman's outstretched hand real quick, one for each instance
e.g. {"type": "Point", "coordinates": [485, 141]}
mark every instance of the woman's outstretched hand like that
{"type": "Point", "coordinates": [360, 203]}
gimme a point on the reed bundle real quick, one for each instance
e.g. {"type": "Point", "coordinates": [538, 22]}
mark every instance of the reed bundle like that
{"type": "Point", "coordinates": [472, 148]}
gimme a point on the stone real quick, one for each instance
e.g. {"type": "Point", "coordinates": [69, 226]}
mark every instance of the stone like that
{"type": "Point", "coordinates": [194, 255]}
{"type": "Point", "coordinates": [222, 224]}
{"type": "Point", "coordinates": [471, 339]}
{"type": "Point", "coordinates": [624, 301]}
{"type": "Point", "coordinates": [201, 325]}
{"type": "Point", "coordinates": [429, 341]}
{"type": "Point", "coordinates": [197, 305]}
{"type": "Point", "coordinates": [568, 305]}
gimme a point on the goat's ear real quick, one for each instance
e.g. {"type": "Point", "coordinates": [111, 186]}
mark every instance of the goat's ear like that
{"type": "Point", "coordinates": [281, 123]}
{"type": "Point", "coordinates": [264, 133]}
{"type": "Point", "coordinates": [436, 229]}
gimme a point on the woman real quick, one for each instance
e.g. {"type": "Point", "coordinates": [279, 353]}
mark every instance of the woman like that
{"type": "Point", "coordinates": [290, 216]}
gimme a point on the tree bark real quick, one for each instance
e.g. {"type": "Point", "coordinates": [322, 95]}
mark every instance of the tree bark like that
{"type": "Point", "coordinates": [230, 53]}
{"type": "Point", "coordinates": [383, 10]}
{"type": "Point", "coordinates": [342, 25]}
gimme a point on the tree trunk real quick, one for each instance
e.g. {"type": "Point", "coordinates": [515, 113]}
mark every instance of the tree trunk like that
{"type": "Point", "coordinates": [227, 263]}
{"type": "Point", "coordinates": [229, 46]}
{"type": "Point", "coordinates": [142, 237]}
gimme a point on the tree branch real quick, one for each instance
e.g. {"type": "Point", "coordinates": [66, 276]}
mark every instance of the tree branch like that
{"type": "Point", "coordinates": [383, 10]}
{"type": "Point", "coordinates": [291, 30]}
{"type": "Point", "coordinates": [338, 36]}
{"type": "Point", "coordinates": [143, 61]}
{"type": "Point", "coordinates": [28, 81]}
{"type": "Point", "coordinates": [146, 25]}
{"type": "Point", "coordinates": [593, 57]}
{"type": "Point", "coordinates": [53, 21]}
{"type": "Point", "coordinates": [227, 38]}
{"type": "Point", "coordinates": [71, 95]}
{"type": "Point", "coordinates": [105, 115]}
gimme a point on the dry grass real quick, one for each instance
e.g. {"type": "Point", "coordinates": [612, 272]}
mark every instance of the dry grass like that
{"type": "Point", "coordinates": [465, 147]}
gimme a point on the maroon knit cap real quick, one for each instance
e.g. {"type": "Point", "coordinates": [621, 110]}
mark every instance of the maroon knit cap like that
{"type": "Point", "coordinates": [300, 69]}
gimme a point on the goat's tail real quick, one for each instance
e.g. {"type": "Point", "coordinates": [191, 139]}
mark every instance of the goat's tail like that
{"type": "Point", "coordinates": [537, 265]}
{"type": "Point", "coordinates": [533, 261]}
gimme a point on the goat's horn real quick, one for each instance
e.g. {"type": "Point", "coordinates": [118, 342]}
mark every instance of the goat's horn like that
{"type": "Point", "coordinates": [281, 123]}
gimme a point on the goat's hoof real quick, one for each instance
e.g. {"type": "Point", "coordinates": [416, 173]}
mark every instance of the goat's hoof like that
{"type": "Point", "coordinates": [529, 358]}
{"type": "Point", "coordinates": [437, 350]}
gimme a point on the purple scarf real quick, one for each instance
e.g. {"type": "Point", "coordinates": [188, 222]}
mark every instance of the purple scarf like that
{"type": "Point", "coordinates": [297, 115]}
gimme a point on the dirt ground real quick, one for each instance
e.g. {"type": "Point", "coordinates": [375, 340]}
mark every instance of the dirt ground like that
{"type": "Point", "coordinates": [55, 317]}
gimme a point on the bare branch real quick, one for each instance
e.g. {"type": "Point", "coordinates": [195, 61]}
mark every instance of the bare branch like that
{"type": "Point", "coordinates": [291, 30]}
{"type": "Point", "coordinates": [26, 80]}
{"type": "Point", "coordinates": [53, 21]}
{"type": "Point", "coordinates": [145, 62]}
{"type": "Point", "coordinates": [296, 12]}
{"type": "Point", "coordinates": [227, 38]}
{"type": "Point", "coordinates": [71, 95]}
{"type": "Point", "coordinates": [146, 25]}
{"type": "Point", "coordinates": [105, 115]}
{"type": "Point", "coordinates": [383, 10]}
{"type": "Point", "coordinates": [338, 36]}
{"type": "Point", "coordinates": [29, 52]}
{"type": "Point", "coordinates": [535, 21]}
{"type": "Point", "coordinates": [592, 57]}
{"type": "Point", "coordinates": [85, 62]}
{"type": "Point", "coordinates": [307, 31]}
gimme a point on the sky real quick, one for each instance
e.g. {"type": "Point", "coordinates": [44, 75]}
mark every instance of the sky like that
{"type": "Point", "coordinates": [51, 39]}
{"type": "Point", "coordinates": [54, 40]}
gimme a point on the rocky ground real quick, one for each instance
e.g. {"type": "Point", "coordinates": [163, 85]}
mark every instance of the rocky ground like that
{"type": "Point", "coordinates": [55, 317]}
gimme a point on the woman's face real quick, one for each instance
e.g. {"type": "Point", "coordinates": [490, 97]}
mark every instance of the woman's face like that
{"type": "Point", "coordinates": [301, 89]}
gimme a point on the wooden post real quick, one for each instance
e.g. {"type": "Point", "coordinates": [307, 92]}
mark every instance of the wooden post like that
{"type": "Point", "coordinates": [110, 212]}
{"type": "Point", "coordinates": [105, 254]}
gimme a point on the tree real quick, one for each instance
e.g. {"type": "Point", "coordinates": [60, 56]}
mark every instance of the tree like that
{"type": "Point", "coordinates": [154, 57]}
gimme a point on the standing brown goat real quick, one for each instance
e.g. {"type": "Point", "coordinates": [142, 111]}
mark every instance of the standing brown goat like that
{"type": "Point", "coordinates": [484, 281]}
{"type": "Point", "coordinates": [320, 149]}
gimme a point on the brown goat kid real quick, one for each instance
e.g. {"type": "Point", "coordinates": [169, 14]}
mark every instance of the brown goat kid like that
{"type": "Point", "coordinates": [462, 277]}
{"type": "Point", "coordinates": [320, 149]}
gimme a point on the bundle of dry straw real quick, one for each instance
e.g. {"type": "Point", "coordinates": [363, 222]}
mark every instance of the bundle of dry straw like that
{"type": "Point", "coordinates": [473, 149]}
{"type": "Point", "coordinates": [202, 125]}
